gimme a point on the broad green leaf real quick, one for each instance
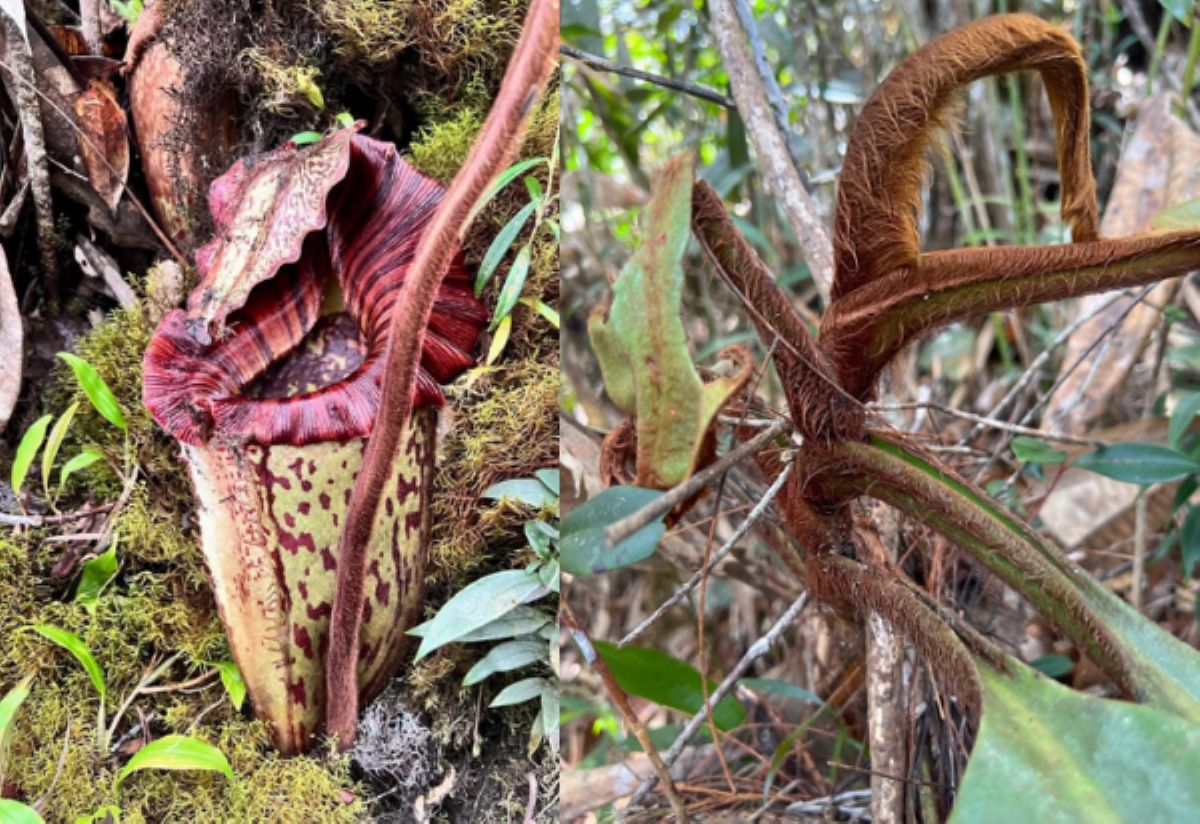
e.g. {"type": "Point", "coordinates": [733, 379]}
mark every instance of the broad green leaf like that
{"type": "Point", "coordinates": [27, 450]}
{"type": "Point", "coordinates": [1189, 540]}
{"type": "Point", "coordinates": [231, 678]}
{"type": "Point", "coordinates": [8, 710]}
{"type": "Point", "coordinates": [517, 621]}
{"type": "Point", "coordinates": [1139, 463]}
{"type": "Point", "coordinates": [1181, 10]}
{"type": "Point", "coordinates": [1181, 217]}
{"type": "Point", "coordinates": [1031, 450]}
{"type": "Point", "coordinates": [522, 691]}
{"type": "Point", "coordinates": [510, 293]}
{"type": "Point", "coordinates": [476, 605]}
{"type": "Point", "coordinates": [506, 657]}
{"type": "Point", "coordinates": [772, 686]}
{"type": "Point", "coordinates": [529, 491]}
{"type": "Point", "coordinates": [501, 244]}
{"type": "Point", "coordinates": [642, 346]}
{"type": "Point", "coordinates": [81, 461]}
{"type": "Point", "coordinates": [95, 576]}
{"type": "Point", "coordinates": [14, 812]}
{"type": "Point", "coordinates": [1047, 753]}
{"type": "Point", "coordinates": [1054, 666]}
{"type": "Point", "coordinates": [72, 644]}
{"type": "Point", "coordinates": [54, 441]}
{"type": "Point", "coordinates": [177, 752]}
{"type": "Point", "coordinates": [96, 390]}
{"type": "Point", "coordinates": [1187, 409]}
{"type": "Point", "coordinates": [549, 477]}
{"type": "Point", "coordinates": [583, 551]}
{"type": "Point", "coordinates": [658, 677]}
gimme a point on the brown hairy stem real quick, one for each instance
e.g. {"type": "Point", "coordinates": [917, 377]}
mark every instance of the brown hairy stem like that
{"type": "Point", "coordinates": [875, 228]}
{"type": "Point", "coordinates": [863, 331]}
{"type": "Point", "coordinates": [528, 71]}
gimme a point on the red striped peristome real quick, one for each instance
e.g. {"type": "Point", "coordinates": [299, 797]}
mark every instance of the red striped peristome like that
{"type": "Point", "coordinates": [346, 207]}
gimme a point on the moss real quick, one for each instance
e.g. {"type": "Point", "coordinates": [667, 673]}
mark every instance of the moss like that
{"type": "Point", "coordinates": [372, 31]}
{"type": "Point", "coordinates": [288, 84]}
{"type": "Point", "coordinates": [441, 149]}
{"type": "Point", "coordinates": [151, 535]}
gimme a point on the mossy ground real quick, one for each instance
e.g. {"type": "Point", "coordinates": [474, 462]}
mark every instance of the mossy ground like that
{"type": "Point", "coordinates": [440, 66]}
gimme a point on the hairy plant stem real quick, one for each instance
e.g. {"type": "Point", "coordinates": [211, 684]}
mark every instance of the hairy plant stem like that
{"type": "Point", "coordinates": [529, 69]}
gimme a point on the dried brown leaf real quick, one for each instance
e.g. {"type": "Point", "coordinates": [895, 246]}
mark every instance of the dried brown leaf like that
{"type": "Point", "coordinates": [103, 140]}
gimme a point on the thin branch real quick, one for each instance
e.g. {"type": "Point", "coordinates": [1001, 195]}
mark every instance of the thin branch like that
{"type": "Point", "coordinates": [717, 557]}
{"type": "Point", "coordinates": [622, 529]}
{"type": "Point", "coordinates": [834, 803]}
{"type": "Point", "coordinates": [991, 423]}
{"type": "Point", "coordinates": [770, 147]}
{"type": "Point", "coordinates": [757, 650]}
{"type": "Point", "coordinates": [621, 700]}
{"type": "Point", "coordinates": [606, 65]}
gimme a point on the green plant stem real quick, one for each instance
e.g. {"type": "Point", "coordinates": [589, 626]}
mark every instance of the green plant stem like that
{"type": "Point", "coordinates": [1189, 70]}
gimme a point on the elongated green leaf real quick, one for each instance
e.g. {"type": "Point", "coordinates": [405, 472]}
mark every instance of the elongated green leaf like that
{"type": "Point", "coordinates": [177, 752]}
{"type": "Point", "coordinates": [506, 657]}
{"type": "Point", "coordinates": [668, 681]}
{"type": "Point", "coordinates": [503, 179]}
{"type": "Point", "coordinates": [1031, 450]}
{"type": "Point", "coordinates": [583, 548]}
{"type": "Point", "coordinates": [27, 450]}
{"type": "Point", "coordinates": [501, 244]}
{"type": "Point", "coordinates": [510, 293]}
{"type": "Point", "coordinates": [478, 604]}
{"type": "Point", "coordinates": [231, 679]}
{"type": "Point", "coordinates": [522, 691]}
{"type": "Point", "coordinates": [1048, 754]}
{"type": "Point", "coordinates": [95, 389]}
{"type": "Point", "coordinates": [1139, 463]}
{"type": "Point", "coordinates": [517, 621]}
{"type": "Point", "coordinates": [1189, 540]}
{"type": "Point", "coordinates": [72, 644]}
{"type": "Point", "coordinates": [549, 477]}
{"type": "Point", "coordinates": [1187, 409]}
{"type": "Point", "coordinates": [81, 461]}
{"type": "Point", "coordinates": [1054, 666]}
{"type": "Point", "coordinates": [14, 812]}
{"type": "Point", "coordinates": [305, 138]}
{"type": "Point", "coordinates": [95, 576]}
{"type": "Point", "coordinates": [529, 491]}
{"type": "Point", "coordinates": [57, 433]}
{"type": "Point", "coordinates": [8, 710]}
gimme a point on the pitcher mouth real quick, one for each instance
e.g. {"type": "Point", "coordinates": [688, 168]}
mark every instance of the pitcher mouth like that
{"type": "Point", "coordinates": [232, 365]}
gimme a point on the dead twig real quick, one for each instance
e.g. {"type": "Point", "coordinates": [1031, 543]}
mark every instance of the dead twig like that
{"type": "Point", "coordinates": [990, 423]}
{"type": "Point", "coordinates": [621, 700]}
{"type": "Point", "coordinates": [606, 65]}
{"type": "Point", "coordinates": [622, 529]}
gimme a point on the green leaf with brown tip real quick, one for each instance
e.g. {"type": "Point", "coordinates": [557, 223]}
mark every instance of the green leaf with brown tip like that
{"type": "Point", "coordinates": [642, 346]}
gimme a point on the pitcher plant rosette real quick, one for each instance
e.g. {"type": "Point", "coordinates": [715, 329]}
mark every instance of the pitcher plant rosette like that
{"type": "Point", "coordinates": [270, 379]}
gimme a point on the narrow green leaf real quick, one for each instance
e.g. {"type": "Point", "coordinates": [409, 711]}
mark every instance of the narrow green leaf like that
{"type": "Point", "coordinates": [231, 678]}
{"type": "Point", "coordinates": [518, 621]}
{"type": "Point", "coordinates": [72, 644]}
{"type": "Point", "coordinates": [668, 681]}
{"type": "Point", "coordinates": [501, 244]}
{"type": "Point", "coordinates": [344, 119]}
{"type": "Point", "coordinates": [542, 309]}
{"type": "Point", "coordinates": [177, 752]}
{"type": "Point", "coordinates": [510, 293]}
{"type": "Point", "coordinates": [520, 692]}
{"type": "Point", "coordinates": [96, 389]}
{"type": "Point", "coordinates": [95, 576]}
{"type": "Point", "coordinates": [81, 461]}
{"type": "Point", "coordinates": [499, 340]}
{"type": "Point", "coordinates": [8, 711]}
{"type": "Point", "coordinates": [1189, 540]}
{"type": "Point", "coordinates": [1047, 753]}
{"type": "Point", "coordinates": [534, 187]}
{"type": "Point", "coordinates": [506, 657]}
{"type": "Point", "coordinates": [27, 450]}
{"type": "Point", "coordinates": [14, 812]}
{"type": "Point", "coordinates": [550, 715]}
{"type": "Point", "coordinates": [530, 491]}
{"type": "Point", "coordinates": [108, 814]}
{"type": "Point", "coordinates": [1054, 666]}
{"type": "Point", "coordinates": [583, 548]}
{"type": "Point", "coordinates": [503, 179]}
{"type": "Point", "coordinates": [1139, 463]}
{"type": "Point", "coordinates": [305, 138]}
{"type": "Point", "coordinates": [54, 442]}
{"type": "Point", "coordinates": [1182, 417]}
{"type": "Point", "coordinates": [1032, 450]}
{"type": "Point", "coordinates": [478, 604]}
